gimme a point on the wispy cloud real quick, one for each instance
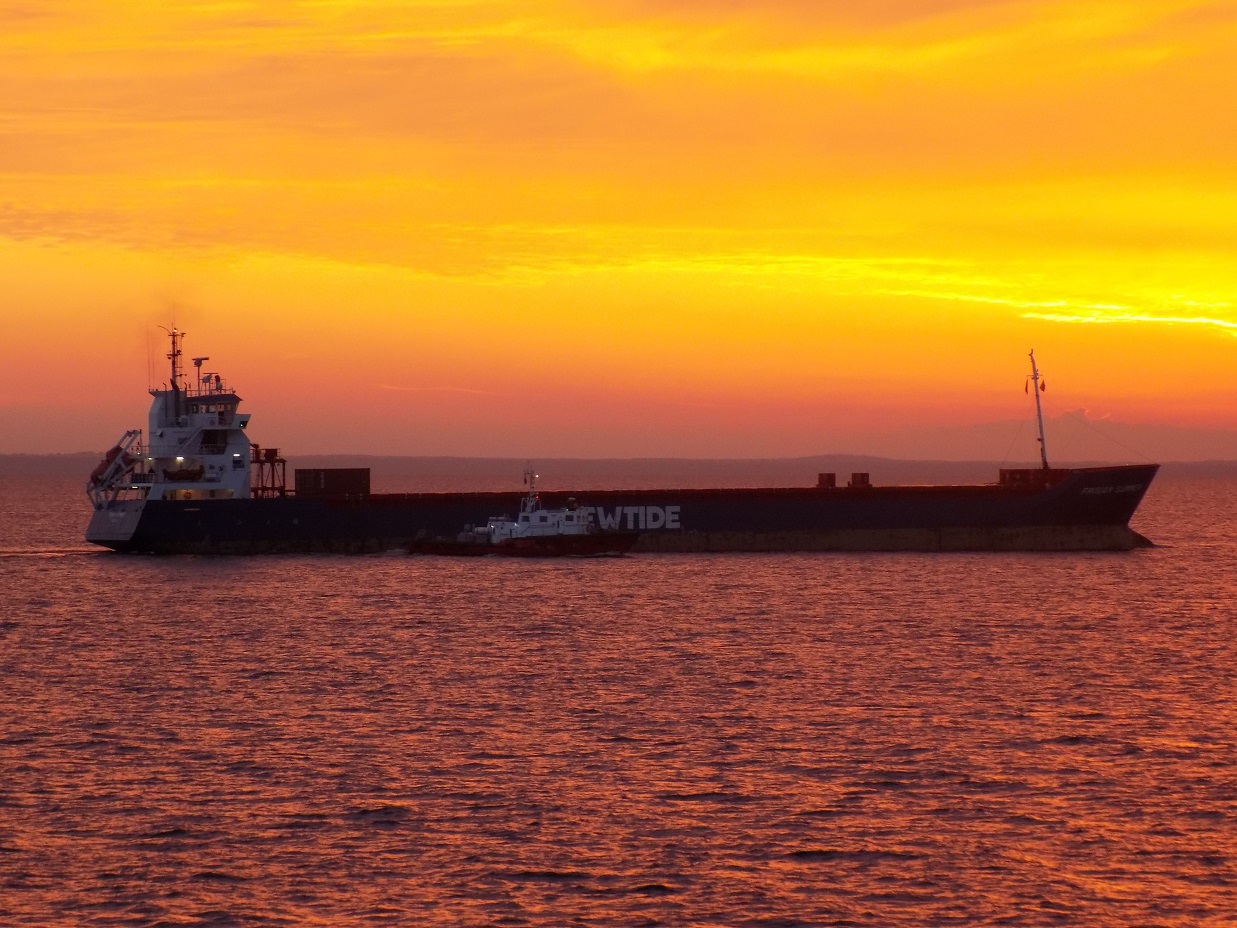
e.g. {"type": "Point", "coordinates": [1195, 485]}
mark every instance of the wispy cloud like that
{"type": "Point", "coordinates": [817, 41]}
{"type": "Point", "coordinates": [466, 390]}
{"type": "Point", "coordinates": [1124, 317]}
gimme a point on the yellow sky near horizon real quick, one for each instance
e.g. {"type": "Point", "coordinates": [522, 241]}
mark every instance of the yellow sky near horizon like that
{"type": "Point", "coordinates": [618, 227]}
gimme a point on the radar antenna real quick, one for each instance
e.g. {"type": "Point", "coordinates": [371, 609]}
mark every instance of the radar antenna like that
{"type": "Point", "coordinates": [198, 377]}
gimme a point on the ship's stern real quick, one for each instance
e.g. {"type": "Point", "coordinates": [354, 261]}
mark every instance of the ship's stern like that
{"type": "Point", "coordinates": [114, 525]}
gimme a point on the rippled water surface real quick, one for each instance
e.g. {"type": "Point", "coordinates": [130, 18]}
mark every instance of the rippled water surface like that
{"type": "Point", "coordinates": [820, 739]}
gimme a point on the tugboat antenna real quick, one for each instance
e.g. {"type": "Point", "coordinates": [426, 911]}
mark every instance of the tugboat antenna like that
{"type": "Point", "coordinates": [530, 478]}
{"type": "Point", "coordinates": [1039, 410]}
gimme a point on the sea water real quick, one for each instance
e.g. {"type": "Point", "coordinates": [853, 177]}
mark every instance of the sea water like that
{"type": "Point", "coordinates": [739, 739]}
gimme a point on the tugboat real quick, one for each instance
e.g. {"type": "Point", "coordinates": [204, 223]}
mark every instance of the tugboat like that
{"type": "Point", "coordinates": [536, 532]}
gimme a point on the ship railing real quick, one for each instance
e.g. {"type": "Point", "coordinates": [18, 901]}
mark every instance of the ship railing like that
{"type": "Point", "coordinates": [208, 385]}
{"type": "Point", "coordinates": [1032, 478]}
{"type": "Point", "coordinates": [188, 476]}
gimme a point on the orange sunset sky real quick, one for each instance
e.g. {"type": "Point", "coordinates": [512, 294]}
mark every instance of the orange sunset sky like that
{"type": "Point", "coordinates": [620, 227]}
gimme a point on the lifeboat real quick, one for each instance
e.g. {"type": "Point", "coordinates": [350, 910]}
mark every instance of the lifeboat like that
{"type": "Point", "coordinates": [96, 475]}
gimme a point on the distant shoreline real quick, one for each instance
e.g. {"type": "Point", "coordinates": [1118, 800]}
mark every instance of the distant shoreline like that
{"type": "Point", "coordinates": [566, 471]}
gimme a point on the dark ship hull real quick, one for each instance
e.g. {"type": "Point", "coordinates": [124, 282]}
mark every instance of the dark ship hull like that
{"type": "Point", "coordinates": [593, 544]}
{"type": "Point", "coordinates": [1081, 509]}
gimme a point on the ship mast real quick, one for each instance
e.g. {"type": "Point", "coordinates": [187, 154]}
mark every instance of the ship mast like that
{"type": "Point", "coordinates": [174, 356]}
{"type": "Point", "coordinates": [1039, 410]}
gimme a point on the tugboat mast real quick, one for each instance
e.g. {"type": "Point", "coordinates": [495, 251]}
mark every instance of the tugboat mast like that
{"type": "Point", "coordinates": [1039, 410]}
{"type": "Point", "coordinates": [530, 478]}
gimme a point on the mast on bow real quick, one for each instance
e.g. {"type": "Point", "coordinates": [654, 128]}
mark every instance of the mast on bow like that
{"type": "Point", "coordinates": [1038, 385]}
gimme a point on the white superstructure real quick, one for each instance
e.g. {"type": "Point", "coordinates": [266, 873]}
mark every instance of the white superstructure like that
{"type": "Point", "coordinates": [534, 521]}
{"type": "Point", "coordinates": [194, 448]}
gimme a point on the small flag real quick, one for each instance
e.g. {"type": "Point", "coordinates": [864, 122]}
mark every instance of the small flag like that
{"type": "Point", "coordinates": [1043, 386]}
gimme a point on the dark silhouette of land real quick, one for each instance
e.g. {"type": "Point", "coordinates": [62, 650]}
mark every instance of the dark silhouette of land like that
{"type": "Point", "coordinates": [408, 474]}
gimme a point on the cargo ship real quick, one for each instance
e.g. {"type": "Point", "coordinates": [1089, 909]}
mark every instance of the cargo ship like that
{"type": "Point", "coordinates": [194, 483]}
